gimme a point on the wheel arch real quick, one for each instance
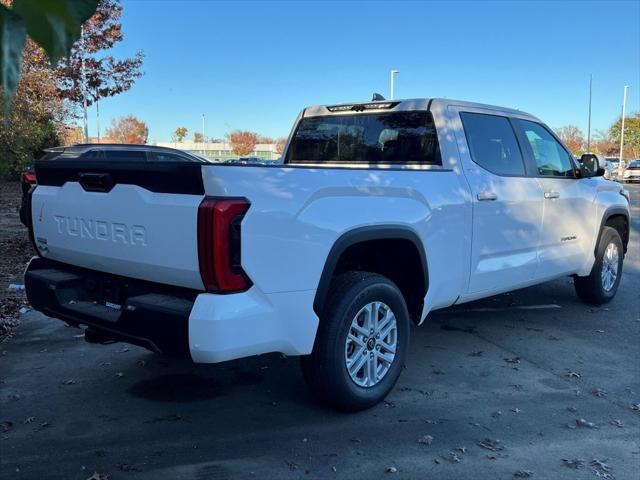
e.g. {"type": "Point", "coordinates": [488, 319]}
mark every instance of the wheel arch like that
{"type": "Point", "coordinates": [365, 235]}
{"type": "Point", "coordinates": [618, 218]}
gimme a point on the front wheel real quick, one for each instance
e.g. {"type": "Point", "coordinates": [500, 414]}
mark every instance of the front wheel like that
{"type": "Point", "coordinates": [361, 345]}
{"type": "Point", "coordinates": [602, 284]}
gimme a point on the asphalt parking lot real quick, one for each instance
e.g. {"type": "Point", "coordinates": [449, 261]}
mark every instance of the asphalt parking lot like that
{"type": "Point", "coordinates": [527, 384]}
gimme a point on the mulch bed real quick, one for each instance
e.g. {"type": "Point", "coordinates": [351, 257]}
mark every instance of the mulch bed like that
{"type": "Point", "coordinates": [15, 252]}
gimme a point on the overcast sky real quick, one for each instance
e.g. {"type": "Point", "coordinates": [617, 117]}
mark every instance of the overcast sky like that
{"type": "Point", "coordinates": [256, 65]}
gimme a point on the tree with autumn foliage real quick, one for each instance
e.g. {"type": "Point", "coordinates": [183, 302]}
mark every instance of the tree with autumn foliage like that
{"type": "Point", "coordinates": [128, 130]}
{"type": "Point", "coordinates": [573, 138]}
{"type": "Point", "coordinates": [242, 142]}
{"type": "Point", "coordinates": [604, 144]}
{"type": "Point", "coordinates": [34, 117]}
{"type": "Point", "coordinates": [280, 144]}
{"type": "Point", "coordinates": [198, 137]}
{"type": "Point", "coordinates": [105, 76]}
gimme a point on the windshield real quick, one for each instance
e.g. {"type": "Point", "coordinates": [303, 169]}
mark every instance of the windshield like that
{"type": "Point", "coordinates": [390, 137]}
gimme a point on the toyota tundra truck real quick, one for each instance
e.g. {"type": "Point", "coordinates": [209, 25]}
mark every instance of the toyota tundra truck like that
{"type": "Point", "coordinates": [378, 214]}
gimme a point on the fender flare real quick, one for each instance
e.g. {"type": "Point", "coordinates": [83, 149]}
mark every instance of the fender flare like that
{"type": "Point", "coordinates": [359, 235]}
{"type": "Point", "coordinates": [608, 213]}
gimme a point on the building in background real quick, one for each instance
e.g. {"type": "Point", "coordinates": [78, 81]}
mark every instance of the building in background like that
{"type": "Point", "coordinates": [222, 150]}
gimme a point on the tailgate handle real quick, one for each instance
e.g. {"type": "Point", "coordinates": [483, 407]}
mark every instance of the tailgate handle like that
{"type": "Point", "coordinates": [96, 182]}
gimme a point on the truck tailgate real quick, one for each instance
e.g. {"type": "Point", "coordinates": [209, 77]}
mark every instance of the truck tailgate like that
{"type": "Point", "coordinates": [135, 221]}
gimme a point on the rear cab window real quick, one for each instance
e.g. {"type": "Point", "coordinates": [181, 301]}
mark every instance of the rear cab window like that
{"type": "Point", "coordinates": [397, 138]}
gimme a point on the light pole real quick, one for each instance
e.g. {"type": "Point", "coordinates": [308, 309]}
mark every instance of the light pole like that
{"type": "Point", "coordinates": [393, 76]}
{"type": "Point", "coordinates": [203, 127]}
{"type": "Point", "coordinates": [83, 79]}
{"type": "Point", "coordinates": [589, 127]}
{"type": "Point", "coordinates": [624, 107]}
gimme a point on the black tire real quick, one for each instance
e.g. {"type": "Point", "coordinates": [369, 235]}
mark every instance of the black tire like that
{"type": "Point", "coordinates": [591, 289]}
{"type": "Point", "coordinates": [325, 370]}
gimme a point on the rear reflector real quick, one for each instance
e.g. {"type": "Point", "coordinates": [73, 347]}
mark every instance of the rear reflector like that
{"type": "Point", "coordinates": [219, 222]}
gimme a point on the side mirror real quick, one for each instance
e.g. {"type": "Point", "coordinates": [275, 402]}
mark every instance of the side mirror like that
{"type": "Point", "coordinates": [592, 165]}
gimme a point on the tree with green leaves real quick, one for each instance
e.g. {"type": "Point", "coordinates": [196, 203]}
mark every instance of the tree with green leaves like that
{"type": "Point", "coordinates": [198, 137]}
{"type": "Point", "coordinates": [631, 136]}
{"type": "Point", "coordinates": [179, 134]}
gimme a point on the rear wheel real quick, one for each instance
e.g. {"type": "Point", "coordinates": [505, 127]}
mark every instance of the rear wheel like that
{"type": "Point", "coordinates": [361, 344]}
{"type": "Point", "coordinates": [602, 284]}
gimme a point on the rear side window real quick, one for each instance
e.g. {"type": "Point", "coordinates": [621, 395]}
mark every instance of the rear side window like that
{"type": "Point", "coordinates": [170, 157]}
{"type": "Point", "coordinates": [552, 160]}
{"type": "Point", "coordinates": [492, 143]}
{"type": "Point", "coordinates": [386, 138]}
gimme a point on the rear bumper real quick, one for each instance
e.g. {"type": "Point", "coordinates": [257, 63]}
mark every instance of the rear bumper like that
{"type": "Point", "coordinates": [207, 327]}
{"type": "Point", "coordinates": [149, 315]}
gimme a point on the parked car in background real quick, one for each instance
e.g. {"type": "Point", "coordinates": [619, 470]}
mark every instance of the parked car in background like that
{"type": "Point", "coordinates": [632, 172]}
{"type": "Point", "coordinates": [381, 213]}
{"type": "Point", "coordinates": [615, 166]}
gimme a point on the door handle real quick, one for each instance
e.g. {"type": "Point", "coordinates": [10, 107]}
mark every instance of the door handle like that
{"type": "Point", "coordinates": [551, 194]}
{"type": "Point", "coordinates": [486, 196]}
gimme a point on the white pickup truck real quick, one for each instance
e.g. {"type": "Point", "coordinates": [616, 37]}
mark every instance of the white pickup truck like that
{"type": "Point", "coordinates": [379, 213]}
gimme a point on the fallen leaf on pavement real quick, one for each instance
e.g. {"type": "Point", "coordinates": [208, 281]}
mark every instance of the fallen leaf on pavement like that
{"type": "Point", "coordinates": [523, 474]}
{"type": "Point", "coordinates": [426, 440]}
{"type": "Point", "coordinates": [28, 420]}
{"type": "Point", "coordinates": [477, 353]}
{"type": "Point", "coordinates": [516, 410]}
{"type": "Point", "coordinates": [617, 423]}
{"type": "Point", "coordinates": [391, 470]}
{"type": "Point", "coordinates": [573, 463]}
{"type": "Point", "coordinates": [99, 476]}
{"type": "Point", "coordinates": [512, 360]}
{"type": "Point", "coordinates": [125, 467]}
{"type": "Point", "coordinates": [119, 374]}
{"type": "Point", "coordinates": [583, 423]}
{"type": "Point", "coordinates": [489, 444]}
{"type": "Point", "coordinates": [635, 407]}
{"type": "Point", "coordinates": [452, 457]}
{"type": "Point", "coordinates": [292, 466]}
{"type": "Point", "coordinates": [71, 381]}
{"type": "Point", "coordinates": [599, 392]}
{"type": "Point", "coordinates": [142, 363]}
{"type": "Point", "coordinates": [571, 374]}
{"type": "Point", "coordinates": [6, 425]}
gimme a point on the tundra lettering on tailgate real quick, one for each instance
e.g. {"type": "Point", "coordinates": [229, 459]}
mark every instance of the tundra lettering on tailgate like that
{"type": "Point", "coordinates": [101, 230]}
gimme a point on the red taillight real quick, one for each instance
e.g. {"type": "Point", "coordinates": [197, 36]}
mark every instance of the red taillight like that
{"type": "Point", "coordinates": [219, 244]}
{"type": "Point", "coordinates": [28, 181]}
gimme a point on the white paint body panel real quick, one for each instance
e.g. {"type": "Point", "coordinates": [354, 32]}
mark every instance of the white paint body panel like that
{"type": "Point", "coordinates": [473, 249]}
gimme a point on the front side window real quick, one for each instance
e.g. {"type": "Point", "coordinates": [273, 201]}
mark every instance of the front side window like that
{"type": "Point", "coordinates": [492, 143]}
{"type": "Point", "coordinates": [552, 160]}
{"type": "Point", "coordinates": [390, 137]}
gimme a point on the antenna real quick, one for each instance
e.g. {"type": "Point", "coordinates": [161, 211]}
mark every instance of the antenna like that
{"type": "Point", "coordinates": [377, 98]}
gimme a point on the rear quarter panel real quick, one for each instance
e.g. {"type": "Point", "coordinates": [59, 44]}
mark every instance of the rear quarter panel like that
{"type": "Point", "coordinates": [297, 214]}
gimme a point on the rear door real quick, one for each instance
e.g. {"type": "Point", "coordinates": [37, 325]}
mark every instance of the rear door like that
{"type": "Point", "coordinates": [568, 214]}
{"type": "Point", "coordinates": [130, 218]}
{"type": "Point", "coordinates": [507, 203]}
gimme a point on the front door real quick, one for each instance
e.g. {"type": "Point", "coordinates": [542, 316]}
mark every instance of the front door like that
{"type": "Point", "coordinates": [507, 204]}
{"type": "Point", "coordinates": [568, 215]}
